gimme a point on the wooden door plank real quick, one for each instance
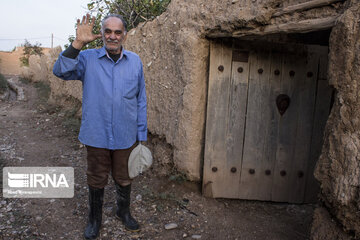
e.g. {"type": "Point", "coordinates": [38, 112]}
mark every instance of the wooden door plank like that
{"type": "Point", "coordinates": [306, 89]}
{"type": "Point", "coordinates": [322, 108]}
{"type": "Point", "coordinates": [275, 80]}
{"type": "Point", "coordinates": [254, 183]}
{"type": "Point", "coordinates": [323, 57]}
{"type": "Point", "coordinates": [286, 139]}
{"type": "Point", "coordinates": [236, 126]}
{"type": "Point", "coordinates": [217, 120]}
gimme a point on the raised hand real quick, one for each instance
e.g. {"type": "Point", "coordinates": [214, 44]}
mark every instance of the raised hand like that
{"type": "Point", "coordinates": [84, 33]}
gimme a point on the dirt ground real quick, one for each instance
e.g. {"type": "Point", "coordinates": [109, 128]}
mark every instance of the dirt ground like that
{"type": "Point", "coordinates": [34, 134]}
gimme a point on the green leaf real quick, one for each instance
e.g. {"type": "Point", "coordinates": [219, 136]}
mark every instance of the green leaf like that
{"type": "Point", "coordinates": [133, 11]}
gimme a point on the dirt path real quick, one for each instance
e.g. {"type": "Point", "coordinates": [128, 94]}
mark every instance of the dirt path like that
{"type": "Point", "coordinates": [31, 137]}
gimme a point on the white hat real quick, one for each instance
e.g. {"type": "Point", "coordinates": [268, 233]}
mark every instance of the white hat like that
{"type": "Point", "coordinates": [139, 161]}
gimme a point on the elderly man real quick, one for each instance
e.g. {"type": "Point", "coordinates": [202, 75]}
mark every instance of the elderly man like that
{"type": "Point", "coordinates": [114, 116]}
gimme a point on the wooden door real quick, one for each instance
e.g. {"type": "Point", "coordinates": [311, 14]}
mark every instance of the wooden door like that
{"type": "Point", "coordinates": [256, 147]}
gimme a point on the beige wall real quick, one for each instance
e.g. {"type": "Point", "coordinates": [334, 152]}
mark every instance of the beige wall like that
{"type": "Point", "coordinates": [10, 61]}
{"type": "Point", "coordinates": [40, 69]}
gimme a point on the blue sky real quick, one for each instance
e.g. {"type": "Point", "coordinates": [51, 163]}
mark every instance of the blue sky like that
{"type": "Point", "coordinates": [36, 20]}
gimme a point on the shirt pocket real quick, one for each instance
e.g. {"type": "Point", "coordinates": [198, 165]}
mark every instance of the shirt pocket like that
{"type": "Point", "coordinates": [131, 88]}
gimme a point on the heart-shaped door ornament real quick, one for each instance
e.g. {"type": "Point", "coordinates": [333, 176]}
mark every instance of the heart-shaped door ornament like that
{"type": "Point", "coordinates": [282, 103]}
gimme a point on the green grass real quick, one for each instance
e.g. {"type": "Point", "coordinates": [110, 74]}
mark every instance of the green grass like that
{"type": "Point", "coordinates": [43, 90]}
{"type": "Point", "coordinates": [2, 165]}
{"type": "Point", "coordinates": [25, 80]}
{"type": "Point", "coordinates": [71, 121]}
{"type": "Point", "coordinates": [3, 84]}
{"type": "Point", "coordinates": [178, 177]}
{"type": "Point", "coordinates": [163, 200]}
{"type": "Point", "coordinates": [68, 105]}
{"type": "Point", "coordinates": [72, 124]}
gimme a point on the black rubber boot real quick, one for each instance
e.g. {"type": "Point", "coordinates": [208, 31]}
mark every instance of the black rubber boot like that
{"type": "Point", "coordinates": [123, 208]}
{"type": "Point", "coordinates": [96, 197]}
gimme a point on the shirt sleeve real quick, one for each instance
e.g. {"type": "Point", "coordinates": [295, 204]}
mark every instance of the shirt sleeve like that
{"type": "Point", "coordinates": [71, 52]}
{"type": "Point", "coordinates": [141, 108]}
{"type": "Point", "coordinates": [70, 65]}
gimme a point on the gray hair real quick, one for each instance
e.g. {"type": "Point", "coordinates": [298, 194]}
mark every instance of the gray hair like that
{"type": "Point", "coordinates": [113, 15]}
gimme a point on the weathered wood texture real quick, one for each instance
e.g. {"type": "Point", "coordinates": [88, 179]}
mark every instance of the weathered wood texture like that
{"type": "Point", "coordinates": [304, 26]}
{"type": "Point", "coordinates": [217, 181]}
{"type": "Point", "coordinates": [254, 183]}
{"type": "Point", "coordinates": [251, 150]}
{"type": "Point", "coordinates": [322, 111]}
{"type": "Point", "coordinates": [305, 6]}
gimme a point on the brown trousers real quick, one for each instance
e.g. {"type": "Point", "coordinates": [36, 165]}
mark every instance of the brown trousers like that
{"type": "Point", "coordinates": [101, 161]}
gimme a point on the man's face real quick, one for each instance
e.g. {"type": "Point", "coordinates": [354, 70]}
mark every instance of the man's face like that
{"type": "Point", "coordinates": [113, 35]}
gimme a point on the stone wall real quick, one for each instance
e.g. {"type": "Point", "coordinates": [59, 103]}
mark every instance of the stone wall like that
{"type": "Point", "coordinates": [325, 227]}
{"type": "Point", "coordinates": [338, 169]}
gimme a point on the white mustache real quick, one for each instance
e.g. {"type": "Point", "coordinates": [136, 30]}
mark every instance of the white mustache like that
{"type": "Point", "coordinates": [112, 41]}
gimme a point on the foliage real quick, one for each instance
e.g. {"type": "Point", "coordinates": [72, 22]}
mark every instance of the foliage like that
{"type": "Point", "coordinates": [43, 93]}
{"type": "Point", "coordinates": [94, 44]}
{"type": "Point", "coordinates": [24, 80]}
{"type": "Point", "coordinates": [71, 122]}
{"type": "Point", "coordinates": [72, 118]}
{"type": "Point", "coordinates": [30, 49]}
{"type": "Point", "coordinates": [3, 84]}
{"type": "Point", "coordinates": [71, 38]}
{"type": "Point", "coordinates": [133, 11]}
{"type": "Point", "coordinates": [178, 177]}
{"type": "Point", "coordinates": [43, 90]}
{"type": "Point", "coordinates": [2, 164]}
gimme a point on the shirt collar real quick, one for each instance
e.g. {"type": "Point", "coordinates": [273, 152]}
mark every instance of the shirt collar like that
{"type": "Point", "coordinates": [102, 52]}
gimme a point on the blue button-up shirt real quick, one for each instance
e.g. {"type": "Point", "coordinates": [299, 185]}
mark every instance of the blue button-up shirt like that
{"type": "Point", "coordinates": [114, 98]}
